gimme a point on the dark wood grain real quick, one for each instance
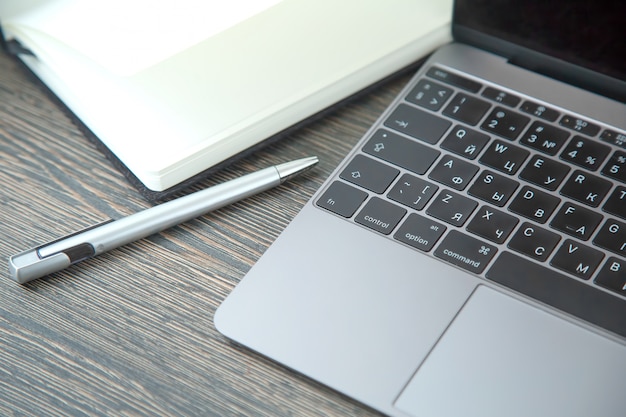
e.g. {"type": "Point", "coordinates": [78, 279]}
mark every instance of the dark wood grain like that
{"type": "Point", "coordinates": [131, 332]}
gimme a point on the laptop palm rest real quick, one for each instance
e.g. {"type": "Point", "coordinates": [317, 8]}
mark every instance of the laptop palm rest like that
{"type": "Point", "coordinates": [511, 359]}
{"type": "Point", "coordinates": [346, 307]}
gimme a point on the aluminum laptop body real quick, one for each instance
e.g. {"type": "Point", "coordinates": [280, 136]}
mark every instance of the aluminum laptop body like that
{"type": "Point", "coordinates": [467, 256]}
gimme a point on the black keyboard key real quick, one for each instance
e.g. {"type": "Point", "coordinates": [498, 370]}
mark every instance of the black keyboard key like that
{"type": "Point", "coordinates": [504, 157]}
{"type": "Point", "coordinates": [616, 167]}
{"type": "Point", "coordinates": [412, 191]}
{"type": "Point", "coordinates": [429, 95]}
{"type": "Point", "coordinates": [616, 203]}
{"type": "Point", "coordinates": [534, 241]}
{"type": "Point", "coordinates": [342, 199]}
{"type": "Point", "coordinates": [451, 208]}
{"type": "Point", "coordinates": [506, 123]}
{"type": "Point", "coordinates": [417, 123]}
{"type": "Point", "coordinates": [613, 137]}
{"type": "Point", "coordinates": [453, 172]}
{"type": "Point", "coordinates": [544, 137]}
{"type": "Point", "coordinates": [544, 172]}
{"type": "Point", "coordinates": [613, 275]}
{"type": "Point", "coordinates": [540, 110]}
{"type": "Point", "coordinates": [586, 153]}
{"type": "Point", "coordinates": [454, 79]}
{"type": "Point", "coordinates": [534, 204]}
{"type": "Point", "coordinates": [466, 108]}
{"type": "Point", "coordinates": [560, 291]}
{"type": "Point", "coordinates": [500, 96]}
{"type": "Point", "coordinates": [586, 188]}
{"type": "Point", "coordinates": [579, 125]}
{"type": "Point", "coordinates": [612, 236]}
{"type": "Point", "coordinates": [465, 142]}
{"type": "Point", "coordinates": [577, 259]}
{"type": "Point", "coordinates": [420, 232]}
{"type": "Point", "coordinates": [493, 188]}
{"type": "Point", "coordinates": [576, 221]}
{"type": "Point", "coordinates": [407, 153]}
{"type": "Point", "coordinates": [369, 173]}
{"type": "Point", "coordinates": [465, 251]}
{"type": "Point", "coordinates": [492, 224]}
{"type": "Point", "coordinates": [380, 215]}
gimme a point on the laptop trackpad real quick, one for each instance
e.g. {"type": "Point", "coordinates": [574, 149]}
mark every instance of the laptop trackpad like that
{"type": "Point", "coordinates": [502, 357]}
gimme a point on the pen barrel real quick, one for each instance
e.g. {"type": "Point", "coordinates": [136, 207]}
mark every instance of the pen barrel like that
{"type": "Point", "coordinates": [153, 220]}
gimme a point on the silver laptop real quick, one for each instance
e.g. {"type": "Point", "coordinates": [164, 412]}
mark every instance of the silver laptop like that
{"type": "Point", "coordinates": [467, 257]}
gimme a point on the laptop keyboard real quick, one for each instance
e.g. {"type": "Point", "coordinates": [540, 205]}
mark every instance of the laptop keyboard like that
{"type": "Point", "coordinates": [507, 188]}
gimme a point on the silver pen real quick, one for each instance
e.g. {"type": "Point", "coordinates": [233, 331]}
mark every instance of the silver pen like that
{"type": "Point", "coordinates": [55, 256]}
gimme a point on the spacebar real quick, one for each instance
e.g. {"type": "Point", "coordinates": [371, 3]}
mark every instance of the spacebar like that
{"type": "Point", "coordinates": [560, 291]}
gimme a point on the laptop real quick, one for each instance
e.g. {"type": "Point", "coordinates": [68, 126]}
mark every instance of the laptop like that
{"type": "Point", "coordinates": [467, 256]}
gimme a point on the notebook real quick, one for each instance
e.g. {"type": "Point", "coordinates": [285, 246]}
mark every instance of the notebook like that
{"type": "Point", "coordinates": [466, 258]}
{"type": "Point", "coordinates": [172, 91]}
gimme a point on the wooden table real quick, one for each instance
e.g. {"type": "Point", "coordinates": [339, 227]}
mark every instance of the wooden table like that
{"type": "Point", "coordinates": [131, 332]}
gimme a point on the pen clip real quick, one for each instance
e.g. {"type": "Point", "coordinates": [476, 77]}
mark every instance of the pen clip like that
{"type": "Point", "coordinates": [32, 264]}
{"type": "Point", "coordinates": [86, 229]}
{"type": "Point", "coordinates": [76, 253]}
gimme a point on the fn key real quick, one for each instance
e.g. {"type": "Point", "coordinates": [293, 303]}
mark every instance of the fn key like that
{"type": "Point", "coordinates": [342, 199]}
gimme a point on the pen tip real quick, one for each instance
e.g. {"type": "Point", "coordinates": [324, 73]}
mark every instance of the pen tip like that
{"type": "Point", "coordinates": [290, 169]}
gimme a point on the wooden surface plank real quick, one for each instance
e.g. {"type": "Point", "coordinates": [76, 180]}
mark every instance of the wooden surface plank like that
{"type": "Point", "coordinates": [131, 332]}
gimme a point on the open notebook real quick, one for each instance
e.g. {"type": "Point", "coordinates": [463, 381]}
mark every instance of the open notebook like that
{"type": "Point", "coordinates": [173, 89]}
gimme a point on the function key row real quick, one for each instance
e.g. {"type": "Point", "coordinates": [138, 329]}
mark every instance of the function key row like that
{"type": "Point", "coordinates": [454, 79]}
{"type": "Point", "coordinates": [511, 100]}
